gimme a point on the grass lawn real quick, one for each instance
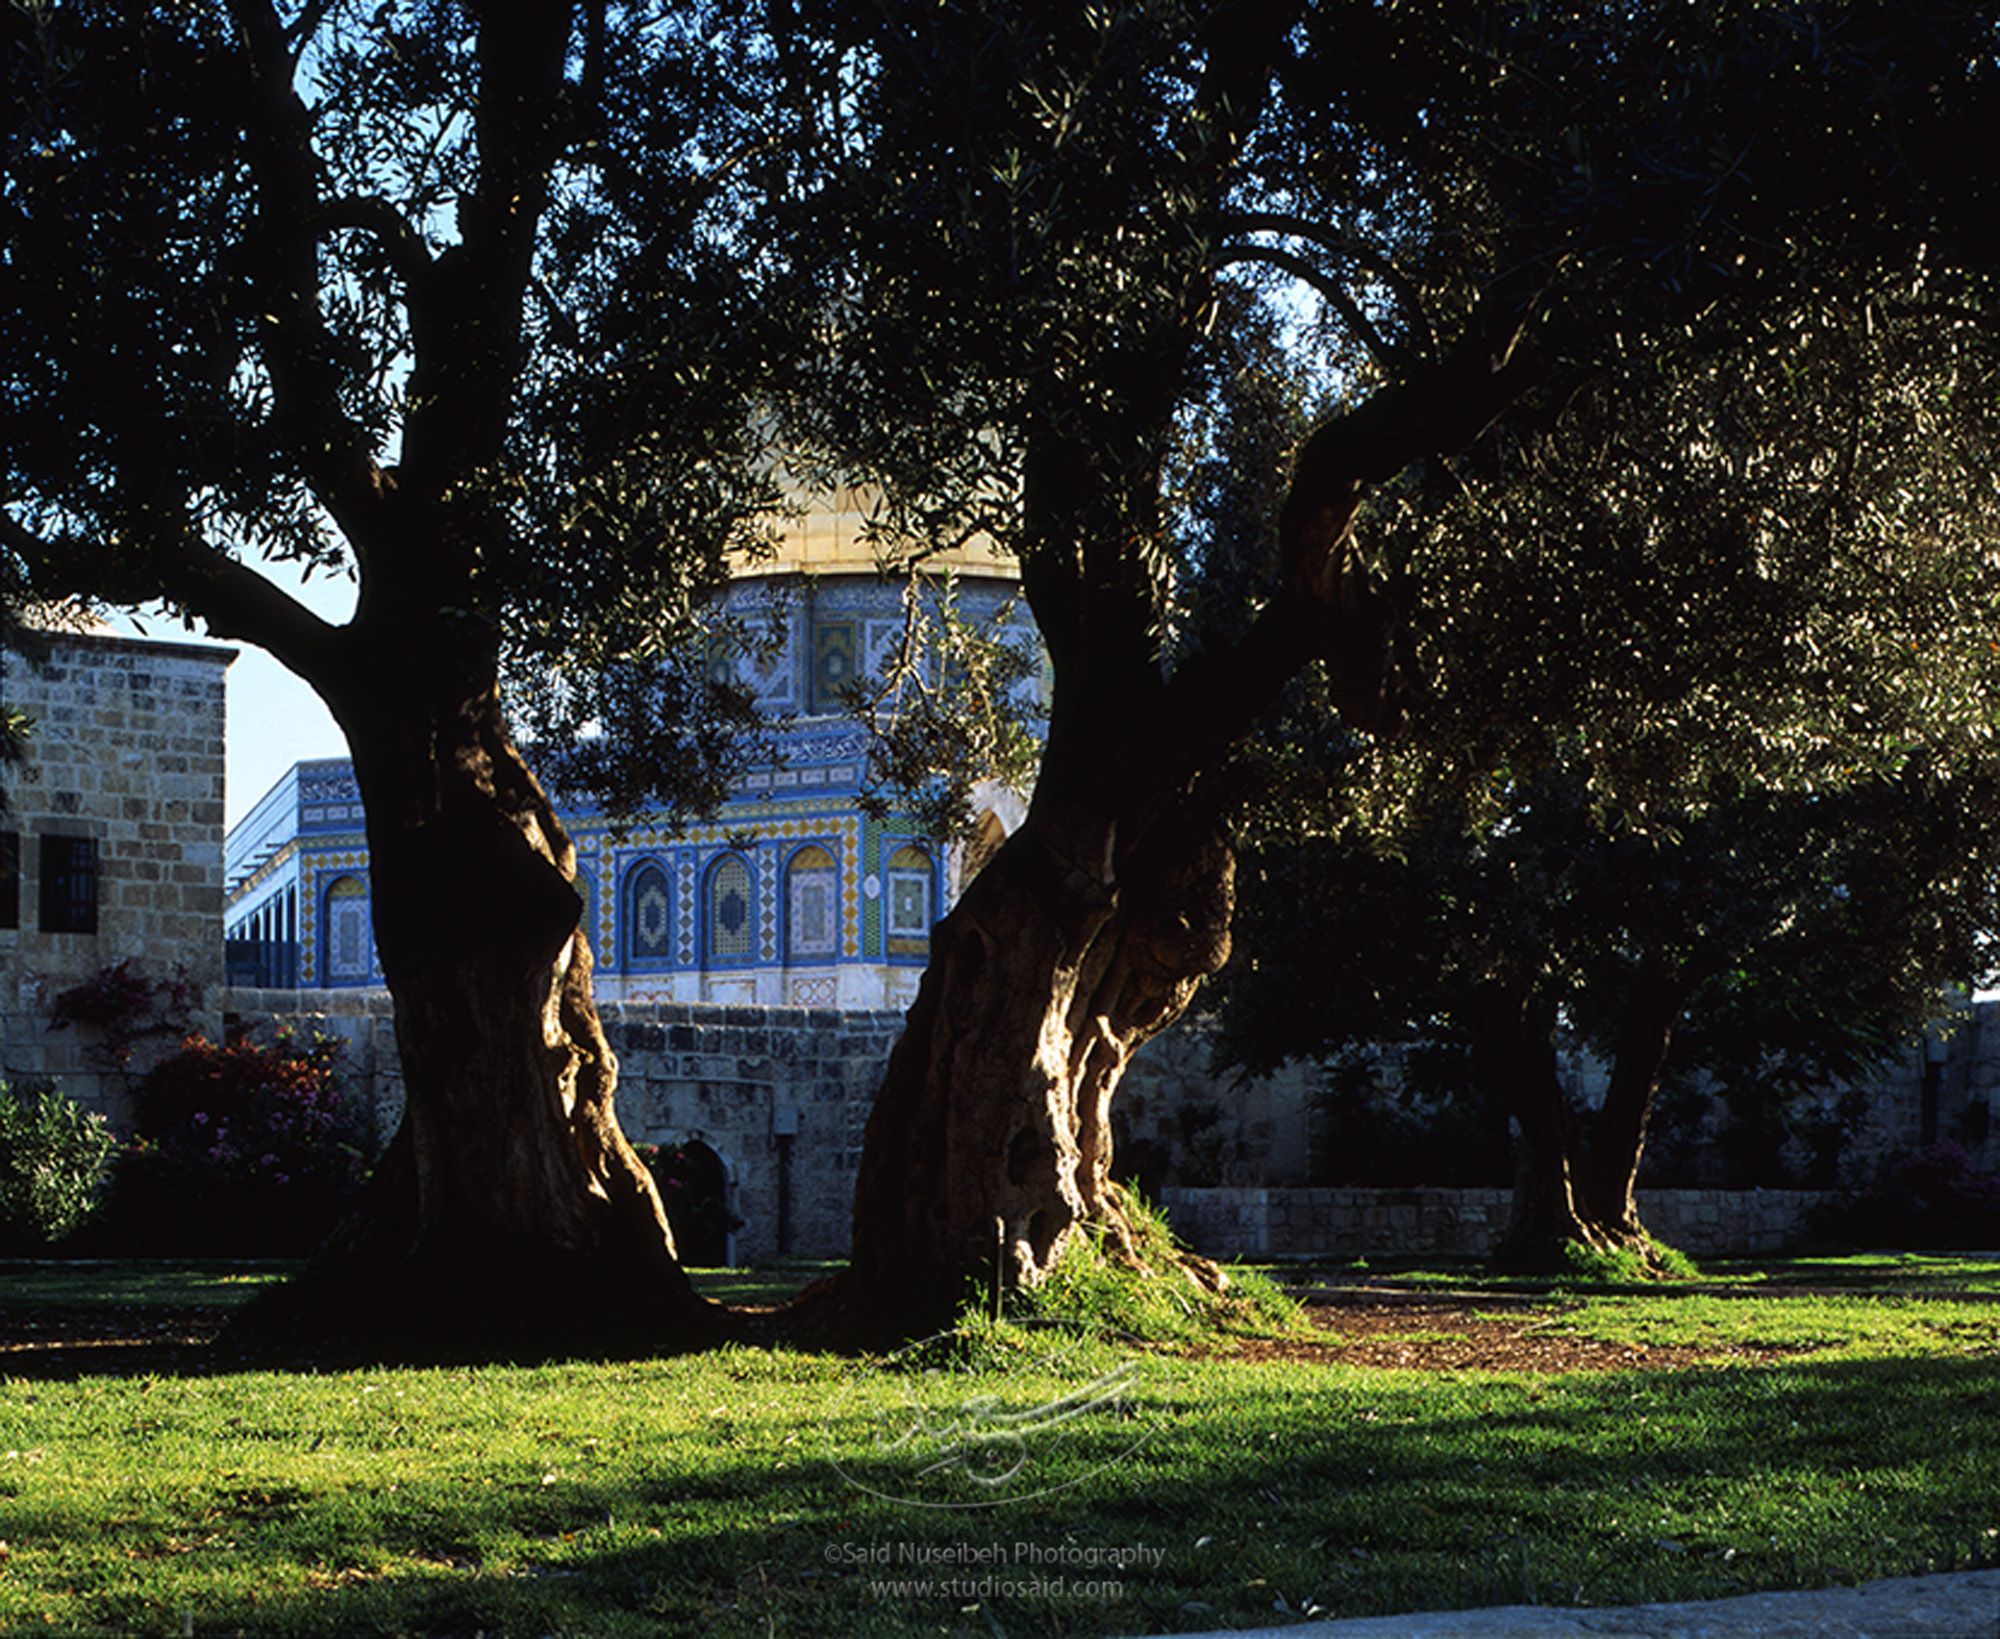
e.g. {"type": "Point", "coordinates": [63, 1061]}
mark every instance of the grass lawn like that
{"type": "Point", "coordinates": [1127, 1490]}
{"type": "Point", "coordinates": [162, 1284]}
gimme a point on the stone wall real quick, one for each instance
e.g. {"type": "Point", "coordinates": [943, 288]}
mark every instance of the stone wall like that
{"type": "Point", "coordinates": [780, 1094]}
{"type": "Point", "coordinates": [741, 1080]}
{"type": "Point", "coordinates": [1285, 1223]}
{"type": "Point", "coordinates": [1180, 1121]}
{"type": "Point", "coordinates": [126, 750]}
{"type": "Point", "coordinates": [773, 1089]}
{"type": "Point", "coordinates": [1177, 1118]}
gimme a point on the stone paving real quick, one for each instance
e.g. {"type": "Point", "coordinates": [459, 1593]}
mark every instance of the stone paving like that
{"type": "Point", "coordinates": [1957, 1605]}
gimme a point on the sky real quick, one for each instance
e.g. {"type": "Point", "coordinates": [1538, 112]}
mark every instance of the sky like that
{"type": "Point", "coordinates": [275, 720]}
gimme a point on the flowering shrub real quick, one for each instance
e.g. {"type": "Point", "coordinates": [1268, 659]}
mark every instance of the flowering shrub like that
{"type": "Point", "coordinates": [671, 1165]}
{"type": "Point", "coordinates": [245, 1148]}
{"type": "Point", "coordinates": [53, 1156]}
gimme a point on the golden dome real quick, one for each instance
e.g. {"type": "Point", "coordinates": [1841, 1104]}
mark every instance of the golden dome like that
{"type": "Point", "coordinates": [829, 535]}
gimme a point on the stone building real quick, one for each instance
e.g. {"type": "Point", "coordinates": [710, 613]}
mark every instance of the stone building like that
{"type": "Point", "coordinates": [111, 846]}
{"type": "Point", "coordinates": [794, 894]}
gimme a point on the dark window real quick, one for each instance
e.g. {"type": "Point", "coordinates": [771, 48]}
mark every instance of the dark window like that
{"type": "Point", "coordinates": [69, 884]}
{"type": "Point", "coordinates": [835, 664]}
{"type": "Point", "coordinates": [10, 879]}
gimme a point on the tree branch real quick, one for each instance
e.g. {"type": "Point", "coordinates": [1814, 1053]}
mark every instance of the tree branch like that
{"type": "Point", "coordinates": [231, 598]}
{"type": "Point", "coordinates": [1355, 249]}
{"type": "Point", "coordinates": [1394, 360]}
{"type": "Point", "coordinates": [376, 217]}
{"type": "Point", "coordinates": [234, 601]}
{"type": "Point", "coordinates": [1325, 606]}
{"type": "Point", "coordinates": [305, 26]}
{"type": "Point", "coordinates": [467, 328]}
{"type": "Point", "coordinates": [305, 382]}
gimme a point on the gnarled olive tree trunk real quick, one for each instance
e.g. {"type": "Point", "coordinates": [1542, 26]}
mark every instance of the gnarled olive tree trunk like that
{"type": "Point", "coordinates": [989, 1144]}
{"type": "Point", "coordinates": [509, 1215]}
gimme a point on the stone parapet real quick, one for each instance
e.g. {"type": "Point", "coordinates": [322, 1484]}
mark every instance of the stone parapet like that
{"type": "Point", "coordinates": [1290, 1223]}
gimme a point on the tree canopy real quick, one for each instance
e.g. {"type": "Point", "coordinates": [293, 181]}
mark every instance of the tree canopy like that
{"type": "Point", "coordinates": [1058, 250]}
{"type": "Point", "coordinates": [283, 280]}
{"type": "Point", "coordinates": [1702, 737]}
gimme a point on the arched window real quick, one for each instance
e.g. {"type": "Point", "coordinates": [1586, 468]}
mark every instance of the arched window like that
{"type": "Point", "coordinates": [649, 917]}
{"type": "Point", "coordinates": [350, 934]}
{"type": "Point", "coordinates": [909, 898]}
{"type": "Point", "coordinates": [812, 906]}
{"type": "Point", "coordinates": [732, 908]}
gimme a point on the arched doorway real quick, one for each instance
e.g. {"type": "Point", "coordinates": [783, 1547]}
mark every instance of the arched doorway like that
{"type": "Point", "coordinates": [694, 1184]}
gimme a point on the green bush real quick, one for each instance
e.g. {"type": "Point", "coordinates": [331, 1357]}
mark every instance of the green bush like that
{"type": "Point", "coordinates": [53, 1157]}
{"type": "Point", "coordinates": [1626, 1265]}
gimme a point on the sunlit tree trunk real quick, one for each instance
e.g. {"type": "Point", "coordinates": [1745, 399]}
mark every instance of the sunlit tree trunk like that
{"type": "Point", "coordinates": [989, 1146]}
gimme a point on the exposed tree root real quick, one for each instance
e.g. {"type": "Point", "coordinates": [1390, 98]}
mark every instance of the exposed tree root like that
{"type": "Point", "coordinates": [1589, 1247]}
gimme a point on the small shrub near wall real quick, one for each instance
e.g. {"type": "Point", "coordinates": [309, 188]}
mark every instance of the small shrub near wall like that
{"type": "Point", "coordinates": [53, 1158]}
{"type": "Point", "coordinates": [1932, 1199]}
{"type": "Point", "coordinates": [694, 1190]}
{"type": "Point", "coordinates": [248, 1149]}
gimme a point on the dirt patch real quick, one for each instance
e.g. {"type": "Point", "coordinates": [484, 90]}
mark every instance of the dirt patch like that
{"type": "Point", "coordinates": [1476, 1332]}
{"type": "Point", "coordinates": [1452, 1335]}
{"type": "Point", "coordinates": [99, 1340]}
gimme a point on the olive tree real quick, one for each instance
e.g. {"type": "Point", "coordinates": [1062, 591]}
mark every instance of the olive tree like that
{"type": "Point", "coordinates": [454, 300]}
{"type": "Point", "coordinates": [1045, 230]}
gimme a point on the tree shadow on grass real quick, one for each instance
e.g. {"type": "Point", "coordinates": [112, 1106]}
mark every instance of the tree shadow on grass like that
{"type": "Point", "coordinates": [1356, 1493]}
{"type": "Point", "coordinates": [120, 1320]}
{"type": "Point", "coordinates": [82, 1323]}
{"type": "Point", "coordinates": [68, 1343]}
